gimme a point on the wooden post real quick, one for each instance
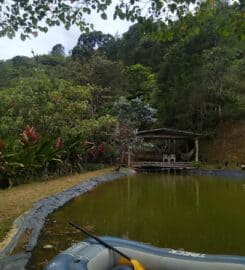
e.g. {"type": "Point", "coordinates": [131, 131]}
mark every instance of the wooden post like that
{"type": "Point", "coordinates": [129, 157]}
{"type": "Point", "coordinates": [197, 150]}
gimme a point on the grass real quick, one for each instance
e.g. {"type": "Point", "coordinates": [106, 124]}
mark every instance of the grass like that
{"type": "Point", "coordinates": [17, 200]}
{"type": "Point", "coordinates": [4, 228]}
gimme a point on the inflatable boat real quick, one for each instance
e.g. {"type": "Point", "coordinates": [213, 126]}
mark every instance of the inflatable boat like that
{"type": "Point", "coordinates": [89, 255]}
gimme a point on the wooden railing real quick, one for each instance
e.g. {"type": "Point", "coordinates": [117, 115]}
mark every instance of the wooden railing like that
{"type": "Point", "coordinates": [167, 165]}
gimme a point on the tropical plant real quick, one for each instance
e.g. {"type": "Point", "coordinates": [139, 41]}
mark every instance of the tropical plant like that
{"type": "Point", "coordinates": [54, 119]}
{"type": "Point", "coordinates": [28, 156]}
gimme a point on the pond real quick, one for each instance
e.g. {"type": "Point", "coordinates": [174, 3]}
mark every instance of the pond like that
{"type": "Point", "coordinates": [195, 213]}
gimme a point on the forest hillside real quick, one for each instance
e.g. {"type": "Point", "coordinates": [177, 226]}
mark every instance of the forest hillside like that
{"type": "Point", "coordinates": [59, 113]}
{"type": "Point", "coordinates": [226, 148]}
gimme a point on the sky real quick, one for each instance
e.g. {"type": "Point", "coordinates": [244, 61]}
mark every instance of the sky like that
{"type": "Point", "coordinates": [45, 41]}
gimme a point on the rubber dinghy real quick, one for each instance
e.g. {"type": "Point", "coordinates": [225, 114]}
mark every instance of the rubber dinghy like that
{"type": "Point", "coordinates": [89, 255]}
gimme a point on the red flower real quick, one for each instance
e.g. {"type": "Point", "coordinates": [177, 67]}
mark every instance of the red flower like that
{"type": "Point", "coordinates": [101, 148]}
{"type": "Point", "coordinates": [58, 143]}
{"type": "Point", "coordinates": [29, 135]}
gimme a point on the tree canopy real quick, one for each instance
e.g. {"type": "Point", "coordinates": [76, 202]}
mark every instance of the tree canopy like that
{"type": "Point", "coordinates": [29, 17]}
{"type": "Point", "coordinates": [89, 42]}
{"type": "Point", "coordinates": [58, 49]}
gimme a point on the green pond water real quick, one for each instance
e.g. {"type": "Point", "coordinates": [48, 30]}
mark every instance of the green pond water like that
{"type": "Point", "coordinates": [195, 213]}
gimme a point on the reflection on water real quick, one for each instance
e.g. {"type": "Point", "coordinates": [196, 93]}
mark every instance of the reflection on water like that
{"type": "Point", "coordinates": [194, 213]}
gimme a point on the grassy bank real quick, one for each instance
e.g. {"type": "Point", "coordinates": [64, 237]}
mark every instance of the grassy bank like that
{"type": "Point", "coordinates": [17, 200]}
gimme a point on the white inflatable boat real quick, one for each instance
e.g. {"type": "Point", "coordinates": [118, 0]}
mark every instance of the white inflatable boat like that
{"type": "Point", "coordinates": [89, 255]}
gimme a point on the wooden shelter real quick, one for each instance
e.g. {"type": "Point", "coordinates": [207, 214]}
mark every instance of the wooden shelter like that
{"type": "Point", "coordinates": [164, 148]}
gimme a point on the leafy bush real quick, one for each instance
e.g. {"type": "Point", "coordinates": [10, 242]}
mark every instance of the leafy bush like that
{"type": "Point", "coordinates": [55, 120]}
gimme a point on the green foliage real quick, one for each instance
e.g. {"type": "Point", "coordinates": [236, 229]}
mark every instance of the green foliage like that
{"type": "Point", "coordinates": [106, 74]}
{"type": "Point", "coordinates": [198, 85]}
{"type": "Point", "coordinates": [51, 105]}
{"type": "Point", "coordinates": [129, 43]}
{"type": "Point", "coordinates": [58, 49]}
{"type": "Point", "coordinates": [88, 43]}
{"type": "Point", "coordinates": [196, 164]}
{"type": "Point", "coordinates": [5, 228]}
{"type": "Point", "coordinates": [134, 113]}
{"type": "Point", "coordinates": [62, 114]}
{"type": "Point", "coordinates": [21, 161]}
{"type": "Point", "coordinates": [12, 70]}
{"type": "Point", "coordinates": [29, 18]}
{"type": "Point", "coordinates": [141, 82]}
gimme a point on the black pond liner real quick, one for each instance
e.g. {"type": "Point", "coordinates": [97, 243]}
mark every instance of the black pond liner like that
{"type": "Point", "coordinates": [33, 220]}
{"type": "Point", "coordinates": [221, 173]}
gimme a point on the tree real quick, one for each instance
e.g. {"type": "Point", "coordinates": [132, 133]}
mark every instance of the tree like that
{"type": "Point", "coordinates": [53, 106]}
{"type": "Point", "coordinates": [11, 70]}
{"type": "Point", "coordinates": [134, 113]}
{"type": "Point", "coordinates": [58, 50]}
{"type": "Point", "coordinates": [89, 42]}
{"type": "Point", "coordinates": [129, 43]}
{"type": "Point", "coordinates": [106, 73]}
{"type": "Point", "coordinates": [30, 16]}
{"type": "Point", "coordinates": [141, 82]}
{"type": "Point", "coordinates": [195, 69]}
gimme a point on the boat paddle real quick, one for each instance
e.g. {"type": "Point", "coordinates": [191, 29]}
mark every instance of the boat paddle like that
{"type": "Point", "coordinates": [136, 265]}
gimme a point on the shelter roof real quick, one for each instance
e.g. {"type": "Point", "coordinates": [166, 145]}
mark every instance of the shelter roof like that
{"type": "Point", "coordinates": [167, 133]}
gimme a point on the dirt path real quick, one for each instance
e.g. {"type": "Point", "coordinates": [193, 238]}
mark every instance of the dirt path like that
{"type": "Point", "coordinates": [17, 200]}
